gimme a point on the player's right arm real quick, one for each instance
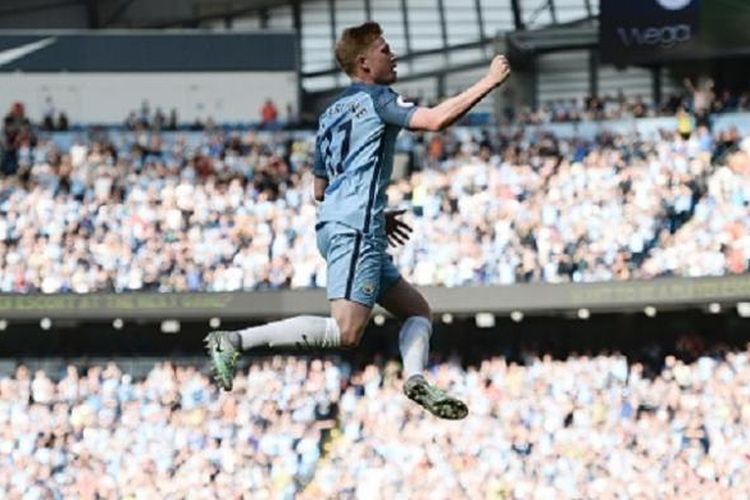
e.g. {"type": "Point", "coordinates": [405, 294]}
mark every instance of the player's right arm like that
{"type": "Point", "coordinates": [449, 111]}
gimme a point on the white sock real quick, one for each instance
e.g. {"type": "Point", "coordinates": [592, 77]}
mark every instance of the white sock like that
{"type": "Point", "coordinates": [414, 343]}
{"type": "Point", "coordinates": [299, 331]}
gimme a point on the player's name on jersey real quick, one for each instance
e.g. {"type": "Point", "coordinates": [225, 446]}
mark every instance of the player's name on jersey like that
{"type": "Point", "coordinates": [354, 107]}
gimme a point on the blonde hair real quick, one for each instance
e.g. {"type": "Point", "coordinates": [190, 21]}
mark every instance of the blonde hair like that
{"type": "Point", "coordinates": [353, 42]}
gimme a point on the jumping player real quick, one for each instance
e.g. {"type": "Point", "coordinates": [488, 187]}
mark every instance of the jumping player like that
{"type": "Point", "coordinates": [353, 162]}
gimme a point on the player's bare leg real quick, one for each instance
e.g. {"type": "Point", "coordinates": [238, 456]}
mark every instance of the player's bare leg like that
{"type": "Point", "coordinates": [343, 329]}
{"type": "Point", "coordinates": [351, 318]}
{"type": "Point", "coordinates": [405, 302]}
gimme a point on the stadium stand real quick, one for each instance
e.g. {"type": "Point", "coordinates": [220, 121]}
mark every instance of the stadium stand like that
{"type": "Point", "coordinates": [223, 211]}
{"type": "Point", "coordinates": [649, 416]}
{"type": "Point", "coordinates": [613, 107]}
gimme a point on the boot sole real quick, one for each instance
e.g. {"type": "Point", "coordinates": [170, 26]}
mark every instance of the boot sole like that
{"type": "Point", "coordinates": [448, 408]}
{"type": "Point", "coordinates": [221, 368]}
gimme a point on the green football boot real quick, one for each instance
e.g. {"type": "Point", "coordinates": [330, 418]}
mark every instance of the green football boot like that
{"type": "Point", "coordinates": [224, 357]}
{"type": "Point", "coordinates": [434, 400]}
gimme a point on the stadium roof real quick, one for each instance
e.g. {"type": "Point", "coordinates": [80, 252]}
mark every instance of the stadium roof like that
{"type": "Point", "coordinates": [145, 51]}
{"type": "Point", "coordinates": [46, 14]}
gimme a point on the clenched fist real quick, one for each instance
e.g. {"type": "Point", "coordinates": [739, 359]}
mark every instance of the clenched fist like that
{"type": "Point", "coordinates": [499, 70]}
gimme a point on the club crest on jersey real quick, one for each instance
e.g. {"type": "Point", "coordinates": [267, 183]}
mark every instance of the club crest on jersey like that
{"type": "Point", "coordinates": [404, 104]}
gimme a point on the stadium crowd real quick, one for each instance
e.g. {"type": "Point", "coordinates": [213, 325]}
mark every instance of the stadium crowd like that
{"type": "Point", "coordinates": [589, 426]}
{"type": "Point", "coordinates": [699, 98]}
{"type": "Point", "coordinates": [102, 434]}
{"type": "Point", "coordinates": [223, 211]}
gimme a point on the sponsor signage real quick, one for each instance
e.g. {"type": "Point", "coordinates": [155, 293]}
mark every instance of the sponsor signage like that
{"type": "Point", "coordinates": [545, 298]}
{"type": "Point", "coordinates": [646, 31]}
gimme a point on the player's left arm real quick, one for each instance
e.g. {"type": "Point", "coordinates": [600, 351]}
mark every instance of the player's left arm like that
{"type": "Point", "coordinates": [319, 188]}
{"type": "Point", "coordinates": [393, 110]}
{"type": "Point", "coordinates": [321, 176]}
{"type": "Point", "coordinates": [397, 231]}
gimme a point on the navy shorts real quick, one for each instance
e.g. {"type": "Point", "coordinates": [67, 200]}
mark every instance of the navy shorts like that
{"type": "Point", "coordinates": [359, 268]}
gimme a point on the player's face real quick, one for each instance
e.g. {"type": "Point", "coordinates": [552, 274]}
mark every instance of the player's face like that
{"type": "Point", "coordinates": [381, 62]}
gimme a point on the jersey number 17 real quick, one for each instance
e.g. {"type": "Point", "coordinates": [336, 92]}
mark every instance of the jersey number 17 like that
{"type": "Point", "coordinates": [333, 157]}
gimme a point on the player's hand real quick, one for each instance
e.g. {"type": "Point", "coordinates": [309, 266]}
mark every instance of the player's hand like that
{"type": "Point", "coordinates": [499, 70]}
{"type": "Point", "coordinates": [397, 231]}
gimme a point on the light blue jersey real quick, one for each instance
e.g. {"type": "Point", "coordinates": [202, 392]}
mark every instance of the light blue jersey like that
{"type": "Point", "coordinates": [354, 151]}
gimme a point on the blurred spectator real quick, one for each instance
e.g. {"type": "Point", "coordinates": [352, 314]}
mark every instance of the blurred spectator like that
{"type": "Point", "coordinates": [173, 123]}
{"type": "Point", "coordinates": [17, 134]}
{"type": "Point", "coordinates": [62, 122]}
{"type": "Point", "coordinates": [702, 95]}
{"type": "Point", "coordinates": [684, 124]}
{"type": "Point", "coordinates": [52, 120]}
{"type": "Point", "coordinates": [269, 115]}
{"type": "Point", "coordinates": [144, 114]}
{"type": "Point", "coordinates": [48, 116]}
{"type": "Point", "coordinates": [160, 120]}
{"type": "Point", "coordinates": [131, 121]}
{"type": "Point", "coordinates": [292, 119]}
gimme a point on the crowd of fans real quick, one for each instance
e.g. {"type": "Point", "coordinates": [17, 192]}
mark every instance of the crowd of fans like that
{"type": "Point", "coordinates": [159, 216]}
{"type": "Point", "coordinates": [104, 434]}
{"type": "Point", "coordinates": [716, 239]}
{"type": "Point", "coordinates": [589, 426]}
{"type": "Point", "coordinates": [146, 118]}
{"type": "Point", "coordinates": [698, 98]}
{"type": "Point", "coordinates": [221, 211]}
{"type": "Point", "coordinates": [564, 211]}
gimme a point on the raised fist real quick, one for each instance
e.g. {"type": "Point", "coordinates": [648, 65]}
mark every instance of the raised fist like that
{"type": "Point", "coordinates": [499, 70]}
